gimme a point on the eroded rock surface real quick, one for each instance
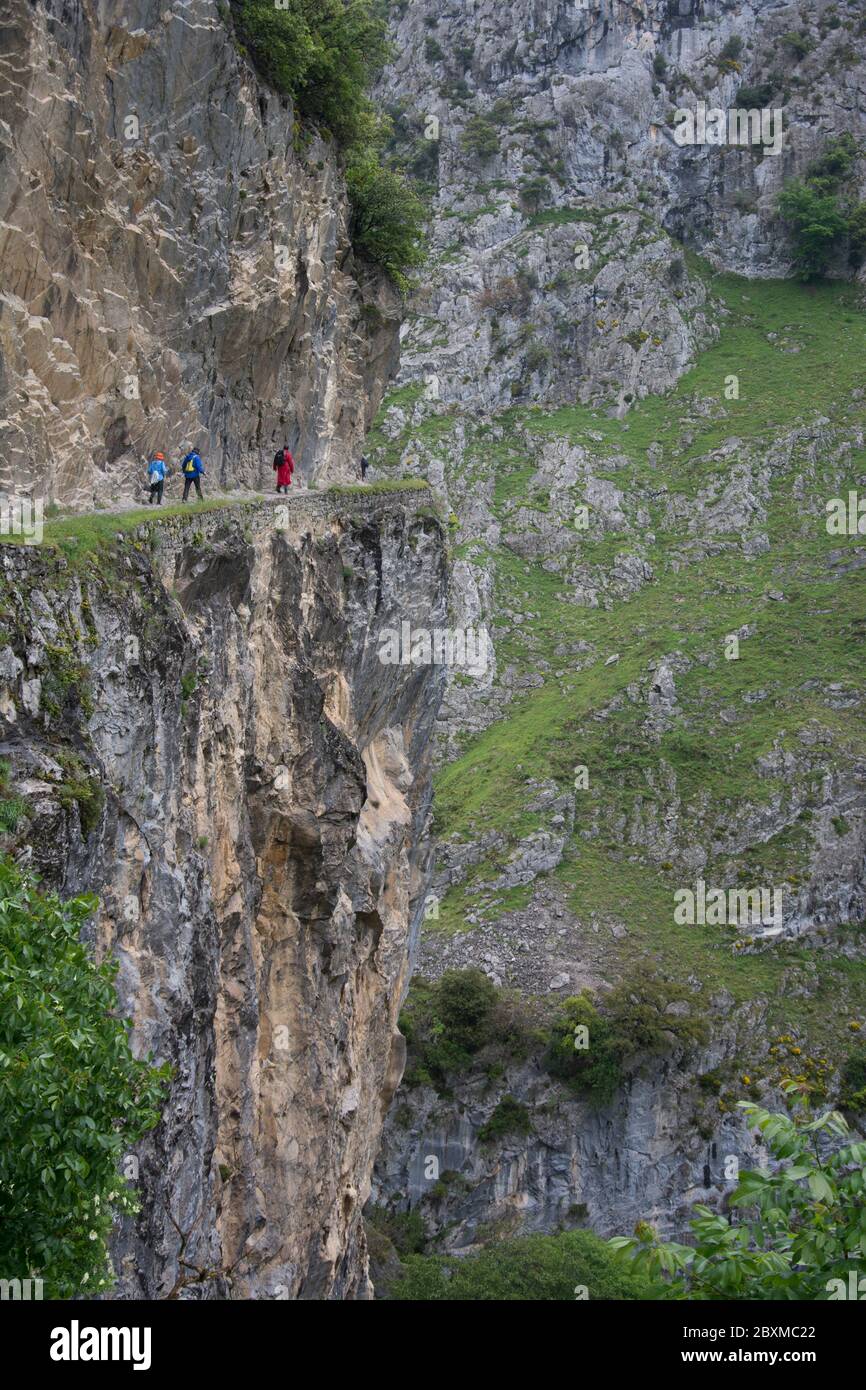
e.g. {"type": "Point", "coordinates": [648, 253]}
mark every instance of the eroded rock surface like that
{"type": "Point", "coordinates": [206, 737]}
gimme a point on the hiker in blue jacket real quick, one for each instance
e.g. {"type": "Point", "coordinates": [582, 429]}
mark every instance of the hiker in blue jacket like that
{"type": "Point", "coordinates": [156, 473]}
{"type": "Point", "coordinates": [192, 469]}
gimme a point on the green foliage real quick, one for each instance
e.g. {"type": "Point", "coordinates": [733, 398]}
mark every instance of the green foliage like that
{"type": "Point", "coordinates": [853, 1081]}
{"type": "Point", "coordinates": [12, 811]}
{"type": "Point", "coordinates": [81, 788]}
{"type": "Point", "coordinates": [12, 808]}
{"type": "Point", "coordinates": [637, 1021]}
{"type": "Point", "coordinates": [534, 192]}
{"type": "Point", "coordinates": [387, 216]}
{"type": "Point", "coordinates": [509, 1117]}
{"type": "Point", "coordinates": [816, 221]}
{"type": "Point", "coordinates": [321, 53]}
{"type": "Point", "coordinates": [404, 1229]}
{"type": "Point", "coordinates": [324, 54]}
{"type": "Point", "coordinates": [729, 58]}
{"type": "Point", "coordinates": [857, 233]}
{"type": "Point", "coordinates": [733, 48]}
{"type": "Point", "coordinates": [480, 138]}
{"type": "Point", "coordinates": [816, 211]}
{"type": "Point", "coordinates": [446, 1023]}
{"type": "Point", "coordinates": [72, 1096]}
{"type": "Point", "coordinates": [835, 164]}
{"type": "Point", "coordinates": [798, 44]}
{"type": "Point", "coordinates": [756, 97]}
{"type": "Point", "coordinates": [798, 1229]}
{"type": "Point", "coordinates": [528, 1268]}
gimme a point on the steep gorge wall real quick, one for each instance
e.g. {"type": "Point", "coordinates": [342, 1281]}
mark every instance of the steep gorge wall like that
{"type": "Point", "coordinates": [205, 736]}
{"type": "Point", "coordinates": [175, 265]}
{"type": "Point", "coordinates": [575, 302]}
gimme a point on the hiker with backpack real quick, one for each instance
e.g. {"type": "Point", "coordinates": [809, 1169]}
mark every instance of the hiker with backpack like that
{"type": "Point", "coordinates": [284, 465]}
{"type": "Point", "coordinates": [192, 469]}
{"type": "Point", "coordinates": [157, 473]}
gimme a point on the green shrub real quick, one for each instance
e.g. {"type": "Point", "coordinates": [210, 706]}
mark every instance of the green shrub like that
{"type": "Point", "coordinates": [509, 1117]}
{"type": "Point", "coordinates": [636, 1021]}
{"type": "Point", "coordinates": [480, 138]}
{"type": "Point", "coordinates": [525, 1269]}
{"type": "Point", "coordinates": [853, 1081]}
{"type": "Point", "coordinates": [819, 212]}
{"type": "Point", "coordinates": [817, 223]}
{"type": "Point", "coordinates": [387, 216]}
{"type": "Point", "coordinates": [72, 1096]}
{"type": "Point", "coordinates": [755, 98]}
{"type": "Point", "coordinates": [321, 53]}
{"type": "Point", "coordinates": [857, 233]}
{"type": "Point", "coordinates": [404, 1229]}
{"type": "Point", "coordinates": [80, 788]}
{"type": "Point", "coordinates": [534, 192]}
{"type": "Point", "coordinates": [729, 58]}
{"type": "Point", "coordinates": [446, 1023]}
{"type": "Point", "coordinates": [799, 44]}
{"type": "Point", "coordinates": [324, 54]}
{"type": "Point", "coordinates": [12, 811]}
{"type": "Point", "coordinates": [12, 808]}
{"type": "Point", "coordinates": [835, 164]}
{"type": "Point", "coordinates": [537, 357]}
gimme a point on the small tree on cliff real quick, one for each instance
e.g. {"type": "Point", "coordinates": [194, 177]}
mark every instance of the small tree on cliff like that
{"type": "Point", "coordinates": [72, 1096]}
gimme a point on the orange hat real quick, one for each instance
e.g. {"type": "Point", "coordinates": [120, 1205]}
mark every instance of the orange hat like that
{"type": "Point", "coordinates": [160, 456]}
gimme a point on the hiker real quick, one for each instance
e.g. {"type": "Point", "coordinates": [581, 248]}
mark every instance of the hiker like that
{"type": "Point", "coordinates": [156, 472]}
{"type": "Point", "coordinates": [285, 467]}
{"type": "Point", "coordinates": [365, 464]}
{"type": "Point", "coordinates": [192, 469]}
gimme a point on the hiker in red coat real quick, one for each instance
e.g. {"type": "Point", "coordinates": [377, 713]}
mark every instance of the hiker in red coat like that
{"type": "Point", "coordinates": [285, 467]}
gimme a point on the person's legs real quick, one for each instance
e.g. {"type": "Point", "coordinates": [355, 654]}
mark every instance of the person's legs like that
{"type": "Point", "coordinates": [159, 487]}
{"type": "Point", "coordinates": [187, 484]}
{"type": "Point", "coordinates": [197, 482]}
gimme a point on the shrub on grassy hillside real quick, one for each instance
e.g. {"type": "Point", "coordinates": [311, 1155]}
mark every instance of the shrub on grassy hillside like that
{"type": "Point", "coordinates": [817, 222]}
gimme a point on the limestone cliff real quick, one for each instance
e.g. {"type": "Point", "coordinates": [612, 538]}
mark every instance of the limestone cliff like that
{"type": "Point", "coordinates": [204, 735]}
{"type": "Point", "coordinates": [637, 449]}
{"type": "Point", "coordinates": [175, 266]}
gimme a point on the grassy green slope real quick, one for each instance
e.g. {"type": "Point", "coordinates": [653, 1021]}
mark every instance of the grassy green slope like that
{"type": "Point", "coordinates": [797, 352]}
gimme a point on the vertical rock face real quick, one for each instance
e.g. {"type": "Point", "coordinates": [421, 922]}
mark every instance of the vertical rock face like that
{"type": "Point", "coordinates": [250, 801]}
{"type": "Point", "coordinates": [175, 266]}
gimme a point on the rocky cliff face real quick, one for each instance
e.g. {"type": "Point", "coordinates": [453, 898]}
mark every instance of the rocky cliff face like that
{"type": "Point", "coordinates": [547, 131]}
{"type": "Point", "coordinates": [175, 261]}
{"type": "Point", "coordinates": [637, 459]}
{"type": "Point", "coordinates": [205, 736]}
